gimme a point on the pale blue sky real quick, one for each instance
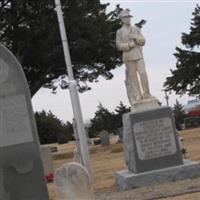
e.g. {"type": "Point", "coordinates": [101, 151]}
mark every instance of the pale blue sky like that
{"type": "Point", "coordinates": [166, 20]}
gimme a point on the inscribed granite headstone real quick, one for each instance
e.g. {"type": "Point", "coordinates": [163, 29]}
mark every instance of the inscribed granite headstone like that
{"type": "Point", "coordinates": [21, 171]}
{"type": "Point", "coordinates": [150, 140]}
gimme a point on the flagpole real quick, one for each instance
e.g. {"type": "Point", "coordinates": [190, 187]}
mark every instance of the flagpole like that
{"type": "Point", "coordinates": [73, 92]}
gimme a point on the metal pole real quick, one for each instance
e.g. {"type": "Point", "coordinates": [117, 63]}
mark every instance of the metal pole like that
{"type": "Point", "coordinates": [73, 92]}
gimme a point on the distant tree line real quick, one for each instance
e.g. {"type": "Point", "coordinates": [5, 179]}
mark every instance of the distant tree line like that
{"type": "Point", "coordinates": [106, 120]}
{"type": "Point", "coordinates": [112, 121]}
{"type": "Point", "coordinates": [53, 130]}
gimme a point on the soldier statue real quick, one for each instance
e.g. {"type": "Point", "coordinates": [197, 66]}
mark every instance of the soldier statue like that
{"type": "Point", "coordinates": [130, 41]}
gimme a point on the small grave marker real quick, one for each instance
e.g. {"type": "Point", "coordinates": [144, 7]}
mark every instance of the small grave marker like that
{"type": "Point", "coordinates": [72, 182]}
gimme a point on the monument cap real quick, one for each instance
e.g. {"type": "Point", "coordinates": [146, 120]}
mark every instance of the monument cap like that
{"type": "Point", "coordinates": [125, 13]}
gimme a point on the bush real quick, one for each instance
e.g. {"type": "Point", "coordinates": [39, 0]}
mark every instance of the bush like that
{"type": "Point", "coordinates": [51, 129]}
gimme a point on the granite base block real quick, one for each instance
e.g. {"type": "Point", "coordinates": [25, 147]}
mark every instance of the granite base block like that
{"type": "Point", "coordinates": [126, 180]}
{"type": "Point", "coordinates": [150, 140]}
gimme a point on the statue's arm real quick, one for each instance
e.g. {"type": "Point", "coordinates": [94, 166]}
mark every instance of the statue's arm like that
{"type": "Point", "coordinates": [122, 46]}
{"type": "Point", "coordinates": [140, 40]}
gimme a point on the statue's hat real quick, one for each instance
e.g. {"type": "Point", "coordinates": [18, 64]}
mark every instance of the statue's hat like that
{"type": "Point", "coordinates": [125, 13]}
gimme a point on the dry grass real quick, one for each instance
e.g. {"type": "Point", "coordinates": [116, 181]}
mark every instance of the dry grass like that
{"type": "Point", "coordinates": [105, 161]}
{"type": "Point", "coordinates": [194, 196]}
{"type": "Point", "coordinates": [192, 143]}
{"type": "Point", "coordinates": [116, 148]}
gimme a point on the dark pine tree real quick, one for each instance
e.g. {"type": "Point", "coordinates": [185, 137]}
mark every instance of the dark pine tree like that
{"type": "Point", "coordinates": [30, 30]}
{"type": "Point", "coordinates": [51, 129]}
{"type": "Point", "coordinates": [186, 77]}
{"type": "Point", "coordinates": [103, 120]}
{"type": "Point", "coordinates": [120, 110]}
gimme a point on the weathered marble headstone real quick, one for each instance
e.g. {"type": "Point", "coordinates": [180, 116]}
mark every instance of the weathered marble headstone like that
{"type": "Point", "coordinates": [72, 182]}
{"type": "Point", "coordinates": [47, 160]}
{"type": "Point", "coordinates": [105, 138]}
{"type": "Point", "coordinates": [152, 151]}
{"type": "Point", "coordinates": [21, 171]}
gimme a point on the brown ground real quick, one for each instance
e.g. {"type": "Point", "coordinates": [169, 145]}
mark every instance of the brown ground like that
{"type": "Point", "coordinates": [107, 160]}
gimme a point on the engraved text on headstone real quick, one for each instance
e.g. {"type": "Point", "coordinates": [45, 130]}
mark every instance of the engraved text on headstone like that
{"type": "Point", "coordinates": [154, 138]}
{"type": "Point", "coordinates": [14, 121]}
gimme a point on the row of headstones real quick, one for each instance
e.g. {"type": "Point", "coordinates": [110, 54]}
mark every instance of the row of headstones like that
{"type": "Point", "coordinates": [71, 179]}
{"type": "Point", "coordinates": [46, 153]}
{"type": "Point", "coordinates": [104, 138]}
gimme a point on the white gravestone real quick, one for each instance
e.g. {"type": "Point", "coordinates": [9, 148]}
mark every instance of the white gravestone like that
{"type": "Point", "coordinates": [72, 183]}
{"type": "Point", "coordinates": [21, 171]}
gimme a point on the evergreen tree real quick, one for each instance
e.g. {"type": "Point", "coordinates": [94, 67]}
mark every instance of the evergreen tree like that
{"type": "Point", "coordinates": [179, 115]}
{"type": "Point", "coordinates": [120, 110]}
{"type": "Point", "coordinates": [30, 30]}
{"type": "Point", "coordinates": [51, 129]}
{"type": "Point", "coordinates": [106, 120]}
{"type": "Point", "coordinates": [66, 134]}
{"type": "Point", "coordinates": [186, 77]}
{"type": "Point", "coordinates": [103, 120]}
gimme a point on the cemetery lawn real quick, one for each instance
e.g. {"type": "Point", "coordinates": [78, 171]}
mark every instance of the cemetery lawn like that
{"type": "Point", "coordinates": [106, 161]}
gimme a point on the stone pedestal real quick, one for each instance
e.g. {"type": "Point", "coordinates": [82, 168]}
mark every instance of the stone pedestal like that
{"type": "Point", "coordinates": [151, 148]}
{"type": "Point", "coordinates": [127, 180]}
{"type": "Point", "coordinates": [150, 140]}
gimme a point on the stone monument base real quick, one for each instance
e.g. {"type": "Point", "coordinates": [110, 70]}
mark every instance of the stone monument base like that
{"type": "Point", "coordinates": [126, 180]}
